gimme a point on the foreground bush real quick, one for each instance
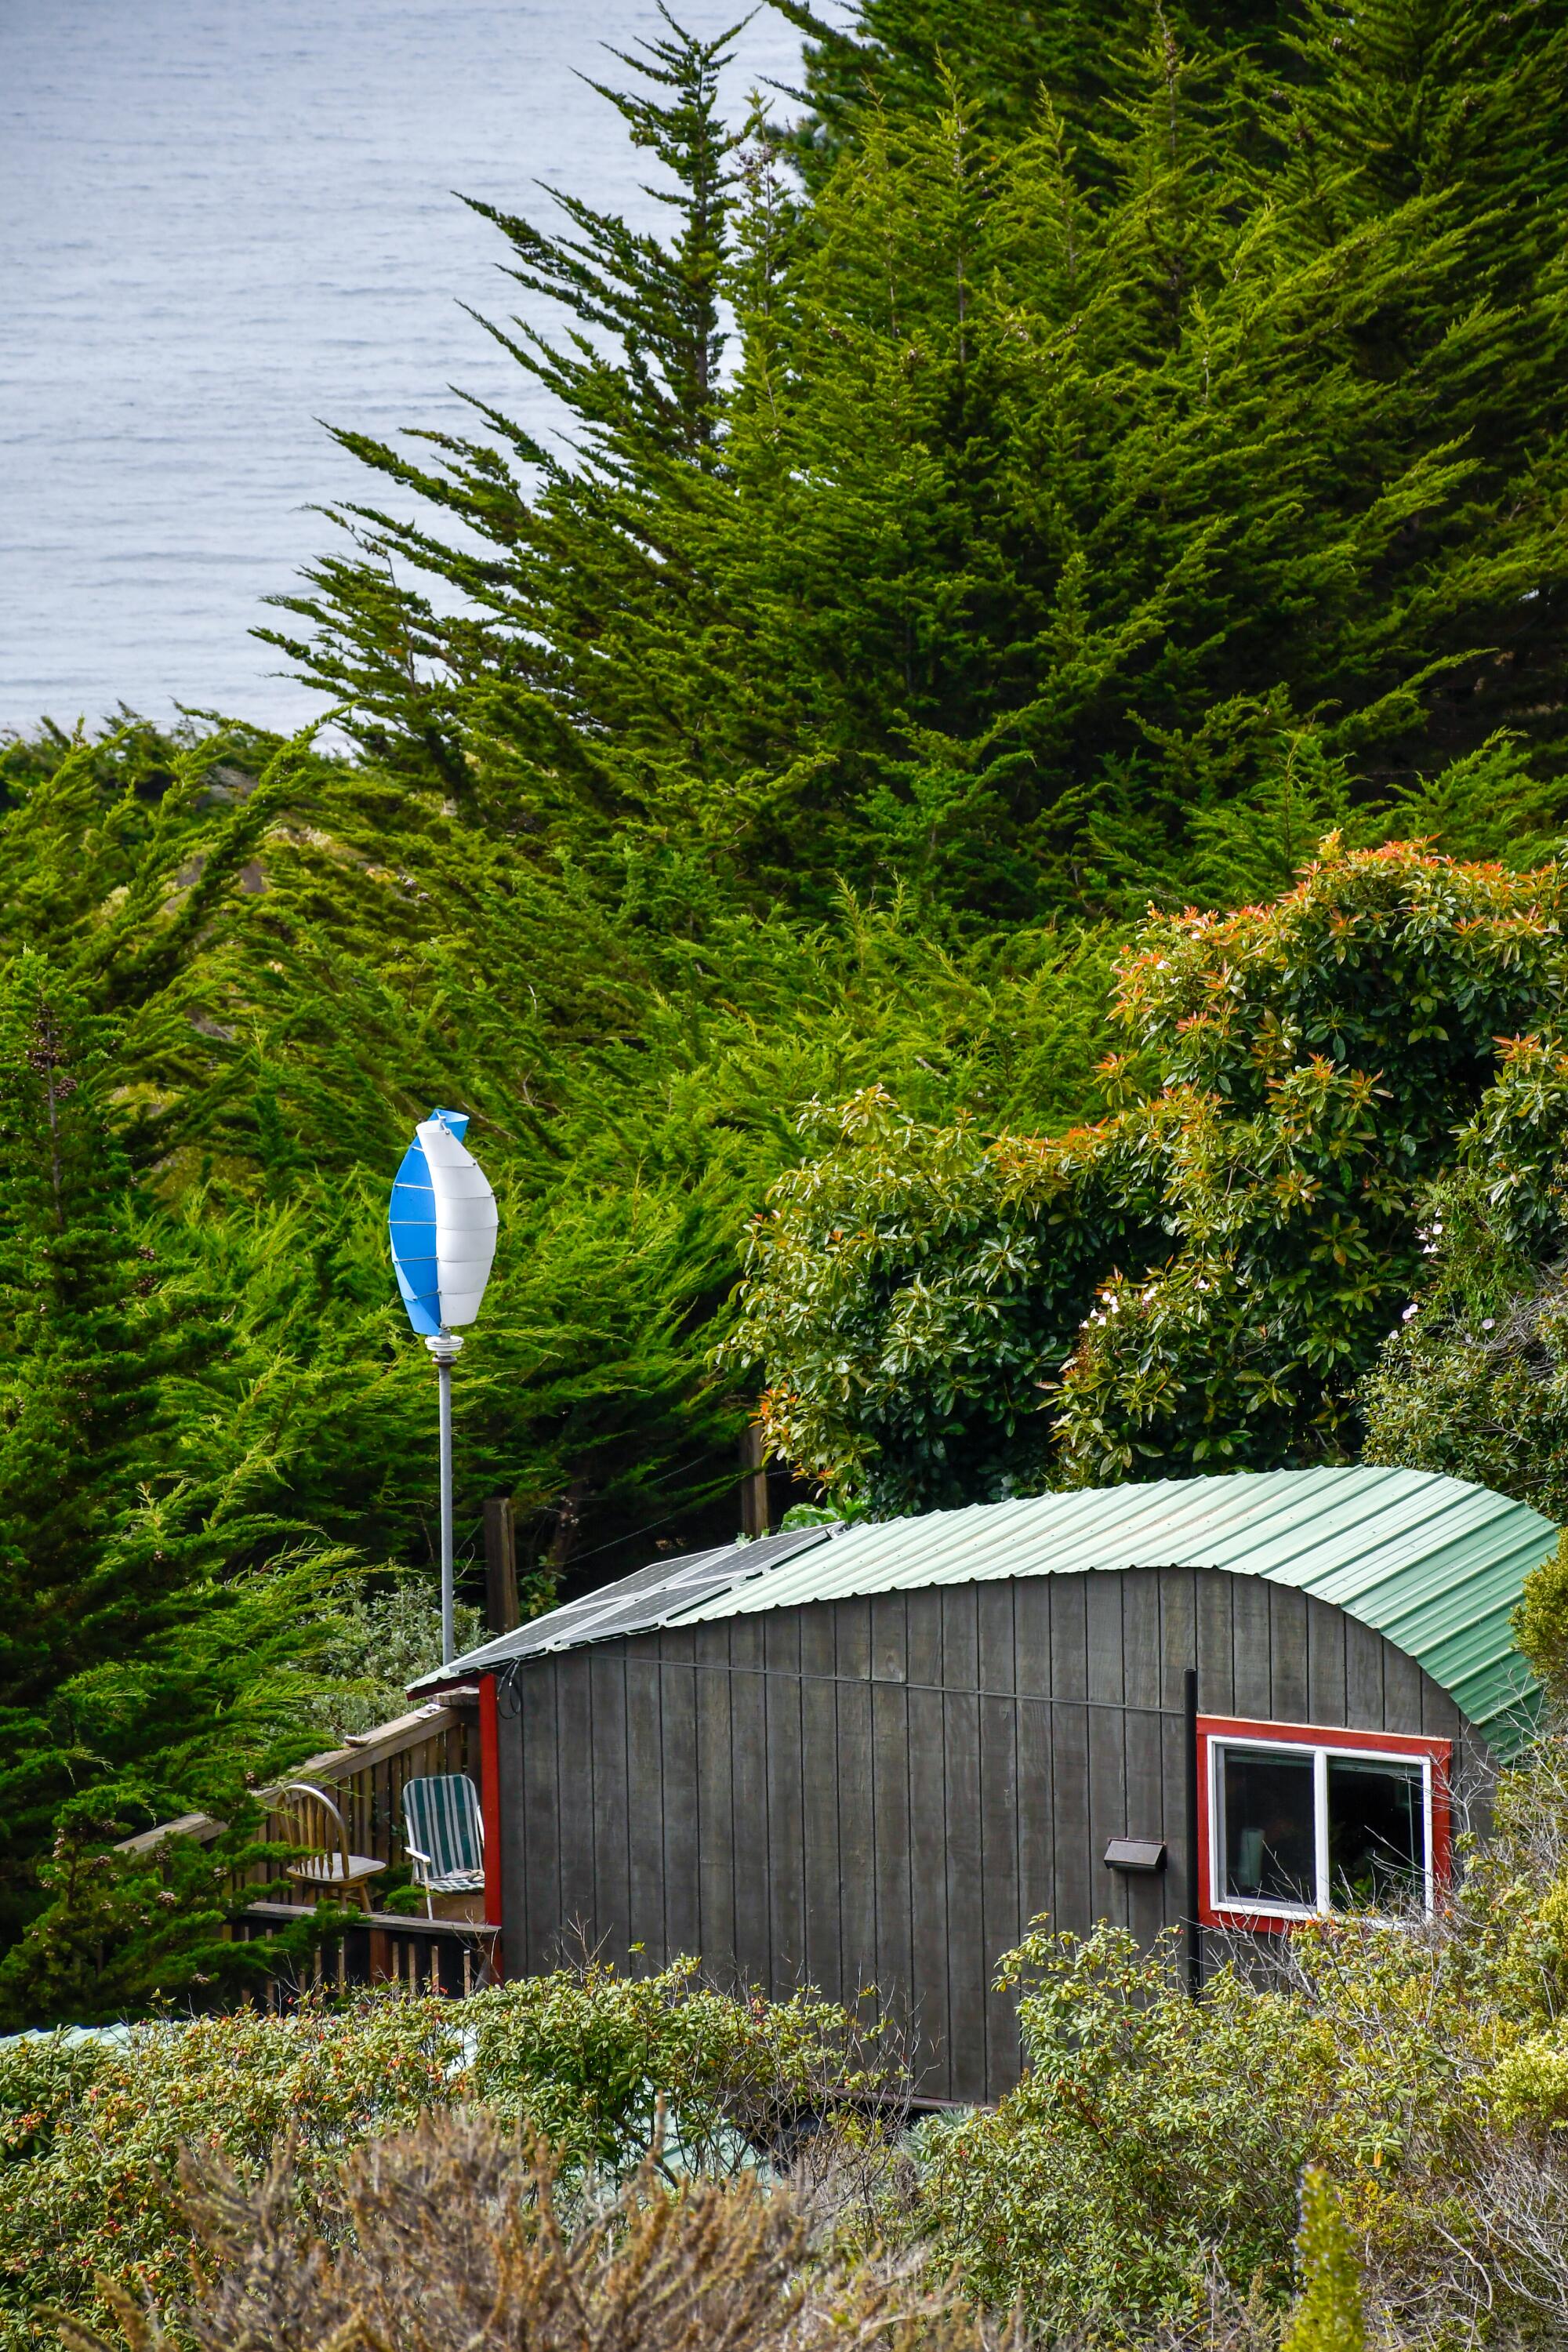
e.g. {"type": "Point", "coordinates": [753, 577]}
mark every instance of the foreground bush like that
{"type": "Point", "coordinates": [450, 2238]}
{"type": "Point", "coordinates": [1144, 2176]}
{"type": "Point", "coordinates": [1154, 2143]}
{"type": "Point", "coordinates": [1143, 2186]}
{"type": "Point", "coordinates": [92, 2133]}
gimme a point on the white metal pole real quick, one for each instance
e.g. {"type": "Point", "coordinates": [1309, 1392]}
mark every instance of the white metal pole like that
{"type": "Point", "coordinates": [444, 1348]}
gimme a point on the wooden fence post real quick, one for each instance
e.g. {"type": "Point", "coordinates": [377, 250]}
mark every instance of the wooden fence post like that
{"type": "Point", "coordinates": [500, 1566]}
{"type": "Point", "coordinates": [754, 1508]}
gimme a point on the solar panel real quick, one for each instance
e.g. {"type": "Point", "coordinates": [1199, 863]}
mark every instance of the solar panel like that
{"type": "Point", "coordinates": [650, 1596]}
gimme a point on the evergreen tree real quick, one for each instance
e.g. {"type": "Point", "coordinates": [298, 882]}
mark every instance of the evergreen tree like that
{"type": "Point", "coordinates": [136, 1609]}
{"type": "Point", "coordinates": [1073, 469]}
{"type": "Point", "coordinates": [640, 376]}
{"type": "Point", "coordinates": [892, 55]}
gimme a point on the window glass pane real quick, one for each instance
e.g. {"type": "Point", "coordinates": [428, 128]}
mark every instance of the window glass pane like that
{"type": "Point", "coordinates": [1377, 1833]}
{"type": "Point", "coordinates": [1269, 1831]}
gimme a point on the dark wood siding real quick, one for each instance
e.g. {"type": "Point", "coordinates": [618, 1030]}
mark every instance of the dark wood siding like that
{"type": "Point", "coordinates": [886, 1791]}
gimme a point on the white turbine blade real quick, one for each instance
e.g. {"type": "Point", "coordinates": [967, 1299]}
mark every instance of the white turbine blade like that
{"type": "Point", "coordinates": [465, 1222]}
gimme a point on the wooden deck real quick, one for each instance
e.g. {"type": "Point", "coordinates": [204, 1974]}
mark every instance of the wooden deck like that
{"type": "Point", "coordinates": [367, 1777]}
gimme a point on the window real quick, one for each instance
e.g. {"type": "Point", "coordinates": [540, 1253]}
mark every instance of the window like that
{"type": "Point", "coordinates": [1296, 1822]}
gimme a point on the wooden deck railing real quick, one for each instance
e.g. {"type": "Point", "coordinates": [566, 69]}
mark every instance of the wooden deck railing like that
{"type": "Point", "coordinates": [420, 1956]}
{"type": "Point", "coordinates": [366, 1776]}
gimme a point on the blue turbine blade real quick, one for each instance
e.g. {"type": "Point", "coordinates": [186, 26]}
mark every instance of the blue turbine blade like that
{"type": "Point", "coordinates": [411, 1225]}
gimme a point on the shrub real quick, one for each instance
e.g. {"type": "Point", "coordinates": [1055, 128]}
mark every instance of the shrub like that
{"type": "Point", "coordinates": [582, 2056]}
{"type": "Point", "coordinates": [1540, 1623]}
{"type": "Point", "coordinates": [1143, 2180]}
{"type": "Point", "coordinates": [90, 2134]}
{"type": "Point", "coordinates": [1154, 2142]}
{"type": "Point", "coordinates": [909, 1288]}
{"type": "Point", "coordinates": [1473, 1377]}
{"type": "Point", "coordinates": [1329, 2317]}
{"type": "Point", "coordinates": [450, 2238]}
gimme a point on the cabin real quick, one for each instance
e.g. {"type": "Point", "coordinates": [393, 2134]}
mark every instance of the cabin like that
{"type": "Point", "coordinates": [869, 1756]}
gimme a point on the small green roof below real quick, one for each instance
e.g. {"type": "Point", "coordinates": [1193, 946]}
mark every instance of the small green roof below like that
{"type": "Point", "coordinates": [1433, 1563]}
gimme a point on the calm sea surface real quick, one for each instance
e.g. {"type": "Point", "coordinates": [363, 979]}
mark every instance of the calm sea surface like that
{"type": "Point", "coordinates": [222, 221]}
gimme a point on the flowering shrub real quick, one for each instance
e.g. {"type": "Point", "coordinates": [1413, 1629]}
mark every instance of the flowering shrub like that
{"type": "Point", "coordinates": [1200, 1280]}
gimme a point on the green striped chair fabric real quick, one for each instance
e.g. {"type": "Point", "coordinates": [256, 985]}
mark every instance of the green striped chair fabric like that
{"type": "Point", "coordinates": [444, 1832]}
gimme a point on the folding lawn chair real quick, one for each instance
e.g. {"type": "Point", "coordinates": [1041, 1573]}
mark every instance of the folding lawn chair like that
{"type": "Point", "coordinates": [444, 1832]}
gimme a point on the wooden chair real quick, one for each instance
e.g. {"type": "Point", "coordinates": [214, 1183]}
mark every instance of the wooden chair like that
{"type": "Point", "coordinates": [444, 1832]}
{"type": "Point", "coordinates": [327, 1867]}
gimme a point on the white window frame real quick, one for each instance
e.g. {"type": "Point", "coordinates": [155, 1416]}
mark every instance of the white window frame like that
{"type": "Point", "coordinates": [1275, 1906]}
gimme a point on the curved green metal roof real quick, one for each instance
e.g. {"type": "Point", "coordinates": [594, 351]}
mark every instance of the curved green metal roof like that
{"type": "Point", "coordinates": [1434, 1563]}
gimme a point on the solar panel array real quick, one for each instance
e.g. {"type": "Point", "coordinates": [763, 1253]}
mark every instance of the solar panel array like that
{"type": "Point", "coordinates": [650, 1597]}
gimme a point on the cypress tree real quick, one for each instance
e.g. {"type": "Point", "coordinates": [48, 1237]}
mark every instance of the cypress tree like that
{"type": "Point", "coordinates": [1074, 467]}
{"type": "Point", "coordinates": [590, 538]}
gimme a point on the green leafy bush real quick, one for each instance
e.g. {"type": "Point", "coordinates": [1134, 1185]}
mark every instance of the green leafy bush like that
{"type": "Point", "coordinates": [1152, 2139]}
{"type": "Point", "coordinates": [1541, 1624]}
{"type": "Point", "coordinates": [910, 1289]}
{"type": "Point", "coordinates": [1328, 2316]}
{"type": "Point", "coordinates": [1199, 1280]}
{"type": "Point", "coordinates": [91, 2133]}
{"type": "Point", "coordinates": [1474, 1377]}
{"type": "Point", "coordinates": [1141, 2183]}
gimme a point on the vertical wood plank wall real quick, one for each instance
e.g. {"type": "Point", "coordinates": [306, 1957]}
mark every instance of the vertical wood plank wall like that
{"type": "Point", "coordinates": [884, 1793]}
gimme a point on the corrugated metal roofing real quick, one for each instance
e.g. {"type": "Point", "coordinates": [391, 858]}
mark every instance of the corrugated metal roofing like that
{"type": "Point", "coordinates": [655, 1595]}
{"type": "Point", "coordinates": [1434, 1563]}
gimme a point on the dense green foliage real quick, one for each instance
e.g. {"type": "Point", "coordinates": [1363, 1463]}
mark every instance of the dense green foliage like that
{"type": "Point", "coordinates": [1329, 2316]}
{"type": "Point", "coordinates": [1199, 1280]}
{"type": "Point", "coordinates": [1089, 457]}
{"type": "Point", "coordinates": [217, 1426]}
{"type": "Point", "coordinates": [122, 1932]}
{"type": "Point", "coordinates": [1475, 1379]}
{"type": "Point", "coordinates": [91, 2132]}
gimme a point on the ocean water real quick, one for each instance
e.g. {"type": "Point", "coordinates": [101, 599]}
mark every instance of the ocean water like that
{"type": "Point", "coordinates": [222, 221]}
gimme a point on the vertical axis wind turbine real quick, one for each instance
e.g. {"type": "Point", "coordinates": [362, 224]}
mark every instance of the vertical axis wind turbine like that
{"type": "Point", "coordinates": [443, 1226]}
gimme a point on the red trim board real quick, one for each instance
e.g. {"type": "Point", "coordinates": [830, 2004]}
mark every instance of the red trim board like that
{"type": "Point", "coordinates": [489, 1802]}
